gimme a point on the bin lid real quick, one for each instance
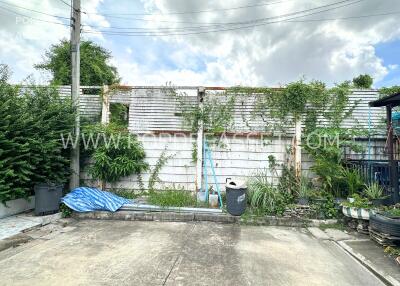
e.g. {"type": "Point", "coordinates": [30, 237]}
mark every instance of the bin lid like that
{"type": "Point", "coordinates": [235, 184]}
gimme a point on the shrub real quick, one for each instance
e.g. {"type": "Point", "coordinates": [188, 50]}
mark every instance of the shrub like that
{"type": "Point", "coordinates": [117, 155]}
{"type": "Point", "coordinates": [264, 196]}
{"type": "Point", "coordinates": [353, 180]}
{"type": "Point", "coordinates": [31, 149]}
{"type": "Point", "coordinates": [374, 191]}
{"type": "Point", "coordinates": [363, 81]}
{"type": "Point", "coordinates": [304, 189]}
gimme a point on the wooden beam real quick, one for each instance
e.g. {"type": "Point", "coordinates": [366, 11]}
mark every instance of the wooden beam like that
{"type": "Point", "coordinates": [199, 145]}
{"type": "Point", "coordinates": [105, 107]}
{"type": "Point", "coordinates": [394, 176]}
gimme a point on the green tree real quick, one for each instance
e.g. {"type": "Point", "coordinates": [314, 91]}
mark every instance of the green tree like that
{"type": "Point", "coordinates": [95, 69]}
{"type": "Point", "coordinates": [363, 81]}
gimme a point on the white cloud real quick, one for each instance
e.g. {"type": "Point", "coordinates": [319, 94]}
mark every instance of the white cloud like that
{"type": "Point", "coordinates": [332, 51]}
{"type": "Point", "coordinates": [23, 40]}
{"type": "Point", "coordinates": [274, 54]}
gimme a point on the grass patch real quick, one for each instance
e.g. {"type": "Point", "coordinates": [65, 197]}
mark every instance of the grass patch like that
{"type": "Point", "coordinates": [393, 250]}
{"type": "Point", "coordinates": [172, 198]}
{"type": "Point", "coordinates": [127, 194]}
{"type": "Point", "coordinates": [338, 225]}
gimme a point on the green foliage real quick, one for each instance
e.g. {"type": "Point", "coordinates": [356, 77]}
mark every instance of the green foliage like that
{"type": "Point", "coordinates": [119, 114]}
{"type": "Point", "coordinates": [264, 196]}
{"type": "Point", "coordinates": [311, 101]}
{"type": "Point", "coordinates": [325, 146]}
{"type": "Point", "coordinates": [216, 114]}
{"type": "Point", "coordinates": [386, 91]}
{"type": "Point", "coordinates": [374, 191]}
{"type": "Point", "coordinates": [30, 147]}
{"type": "Point", "coordinates": [392, 250]}
{"type": "Point", "coordinates": [394, 212]}
{"type": "Point", "coordinates": [117, 155]}
{"type": "Point", "coordinates": [363, 81]}
{"type": "Point", "coordinates": [127, 193]}
{"type": "Point", "coordinates": [353, 180]}
{"type": "Point", "coordinates": [95, 69]}
{"type": "Point", "coordinates": [154, 174]}
{"type": "Point", "coordinates": [359, 202]}
{"type": "Point", "coordinates": [172, 197]}
{"type": "Point", "coordinates": [65, 211]}
{"type": "Point", "coordinates": [288, 180]}
{"type": "Point", "coordinates": [291, 101]}
{"type": "Point", "coordinates": [326, 209]}
{"type": "Point", "coordinates": [304, 188]}
{"type": "Point", "coordinates": [391, 211]}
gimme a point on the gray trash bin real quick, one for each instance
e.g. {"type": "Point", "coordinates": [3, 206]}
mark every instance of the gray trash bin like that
{"type": "Point", "coordinates": [47, 198]}
{"type": "Point", "coordinates": [236, 198]}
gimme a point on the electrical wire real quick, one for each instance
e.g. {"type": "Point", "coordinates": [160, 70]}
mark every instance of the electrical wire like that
{"type": "Point", "coordinates": [287, 21]}
{"type": "Point", "coordinates": [248, 24]}
{"type": "Point", "coordinates": [66, 3]}
{"type": "Point", "coordinates": [32, 10]}
{"type": "Point", "coordinates": [32, 18]}
{"type": "Point", "coordinates": [210, 25]}
{"type": "Point", "coordinates": [193, 12]}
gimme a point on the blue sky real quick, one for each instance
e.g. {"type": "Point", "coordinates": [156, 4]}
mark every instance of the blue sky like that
{"type": "Point", "coordinates": [390, 54]}
{"type": "Point", "coordinates": [312, 46]}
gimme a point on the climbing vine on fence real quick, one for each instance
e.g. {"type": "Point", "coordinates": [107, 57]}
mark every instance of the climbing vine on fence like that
{"type": "Point", "coordinates": [278, 108]}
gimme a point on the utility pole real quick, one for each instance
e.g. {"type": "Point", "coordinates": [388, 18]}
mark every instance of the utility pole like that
{"type": "Point", "coordinates": [75, 88]}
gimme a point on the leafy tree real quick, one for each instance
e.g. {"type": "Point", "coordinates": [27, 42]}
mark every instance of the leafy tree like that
{"type": "Point", "coordinates": [95, 69]}
{"type": "Point", "coordinates": [363, 81]}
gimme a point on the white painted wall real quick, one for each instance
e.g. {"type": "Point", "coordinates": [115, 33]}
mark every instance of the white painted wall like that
{"type": "Point", "coordinates": [153, 111]}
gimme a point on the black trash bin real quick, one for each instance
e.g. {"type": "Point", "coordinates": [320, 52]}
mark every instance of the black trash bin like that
{"type": "Point", "coordinates": [235, 198]}
{"type": "Point", "coordinates": [47, 198]}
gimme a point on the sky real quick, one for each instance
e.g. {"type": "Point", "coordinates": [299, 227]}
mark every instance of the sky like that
{"type": "Point", "coordinates": [214, 43]}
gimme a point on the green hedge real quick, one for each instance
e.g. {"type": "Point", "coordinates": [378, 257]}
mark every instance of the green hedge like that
{"type": "Point", "coordinates": [31, 151]}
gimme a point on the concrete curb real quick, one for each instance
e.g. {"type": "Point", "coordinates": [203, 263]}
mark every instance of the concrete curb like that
{"type": "Point", "coordinates": [14, 241]}
{"type": "Point", "coordinates": [387, 279]}
{"type": "Point", "coordinates": [187, 217]}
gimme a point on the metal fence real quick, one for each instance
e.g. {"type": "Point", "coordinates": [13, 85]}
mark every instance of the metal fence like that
{"type": "Point", "coordinates": [374, 171]}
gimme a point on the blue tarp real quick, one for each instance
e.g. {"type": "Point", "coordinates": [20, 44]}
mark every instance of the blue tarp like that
{"type": "Point", "coordinates": [85, 199]}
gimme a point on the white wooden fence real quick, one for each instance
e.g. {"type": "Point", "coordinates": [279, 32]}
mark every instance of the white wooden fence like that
{"type": "Point", "coordinates": [154, 117]}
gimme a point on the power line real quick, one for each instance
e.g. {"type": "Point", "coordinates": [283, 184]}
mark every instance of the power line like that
{"type": "Point", "coordinates": [32, 18]}
{"type": "Point", "coordinates": [286, 21]}
{"type": "Point", "coordinates": [193, 12]}
{"type": "Point", "coordinates": [39, 12]}
{"type": "Point", "coordinates": [66, 3]}
{"type": "Point", "coordinates": [248, 22]}
{"type": "Point", "coordinates": [242, 25]}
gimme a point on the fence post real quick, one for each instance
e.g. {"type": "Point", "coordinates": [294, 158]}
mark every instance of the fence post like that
{"type": "Point", "coordinates": [394, 176]}
{"type": "Point", "coordinates": [297, 148]}
{"type": "Point", "coordinates": [200, 137]}
{"type": "Point", "coordinates": [105, 106]}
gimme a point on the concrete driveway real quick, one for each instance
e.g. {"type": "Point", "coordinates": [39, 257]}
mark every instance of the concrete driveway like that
{"type": "Point", "coordinates": [161, 253]}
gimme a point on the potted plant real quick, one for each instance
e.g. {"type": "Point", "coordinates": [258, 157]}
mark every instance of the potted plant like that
{"type": "Point", "coordinates": [359, 208]}
{"type": "Point", "coordinates": [375, 193]}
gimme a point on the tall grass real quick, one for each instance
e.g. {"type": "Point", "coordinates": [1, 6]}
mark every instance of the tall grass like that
{"type": "Point", "coordinates": [262, 194]}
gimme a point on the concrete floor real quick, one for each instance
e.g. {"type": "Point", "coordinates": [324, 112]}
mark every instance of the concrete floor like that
{"type": "Point", "coordinates": [160, 253]}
